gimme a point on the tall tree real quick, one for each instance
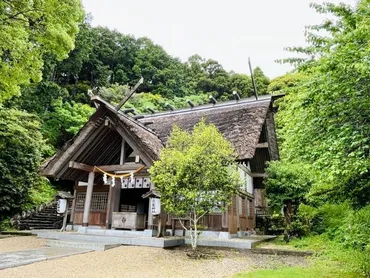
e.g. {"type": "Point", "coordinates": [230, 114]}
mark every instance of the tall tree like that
{"type": "Point", "coordinates": [29, 30]}
{"type": "Point", "coordinates": [262, 81]}
{"type": "Point", "coordinates": [325, 122]}
{"type": "Point", "coordinates": [21, 146]}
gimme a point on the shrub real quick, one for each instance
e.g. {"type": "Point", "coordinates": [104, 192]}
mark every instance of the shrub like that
{"type": "Point", "coordinates": [327, 218]}
{"type": "Point", "coordinates": [355, 232]}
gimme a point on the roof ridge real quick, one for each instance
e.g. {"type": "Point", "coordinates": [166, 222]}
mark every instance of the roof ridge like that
{"type": "Point", "coordinates": [204, 107]}
{"type": "Point", "coordinates": [99, 100]}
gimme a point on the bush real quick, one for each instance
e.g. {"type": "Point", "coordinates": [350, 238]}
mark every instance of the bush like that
{"type": "Point", "coordinates": [327, 218]}
{"type": "Point", "coordinates": [355, 232]}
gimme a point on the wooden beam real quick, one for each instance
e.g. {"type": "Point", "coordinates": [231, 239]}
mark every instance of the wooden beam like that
{"type": "Point", "coordinates": [258, 175]}
{"type": "Point", "coordinates": [129, 94]}
{"type": "Point", "coordinates": [81, 166]}
{"type": "Point", "coordinates": [250, 173]}
{"type": "Point", "coordinates": [262, 145]}
{"type": "Point", "coordinates": [130, 166]}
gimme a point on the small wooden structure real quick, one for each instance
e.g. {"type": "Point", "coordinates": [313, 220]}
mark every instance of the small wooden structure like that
{"type": "Point", "coordinates": [113, 142]}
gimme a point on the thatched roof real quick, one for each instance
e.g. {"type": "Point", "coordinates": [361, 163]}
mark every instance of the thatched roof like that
{"type": "Point", "coordinates": [240, 123]}
{"type": "Point", "coordinates": [97, 144]}
{"type": "Point", "coordinates": [145, 139]}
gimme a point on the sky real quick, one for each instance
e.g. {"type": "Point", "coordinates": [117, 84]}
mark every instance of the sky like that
{"type": "Point", "coordinates": [226, 31]}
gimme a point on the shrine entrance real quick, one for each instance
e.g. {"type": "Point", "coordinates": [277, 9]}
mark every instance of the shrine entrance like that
{"type": "Point", "coordinates": [132, 211]}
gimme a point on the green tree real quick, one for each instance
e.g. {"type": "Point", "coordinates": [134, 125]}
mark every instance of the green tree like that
{"type": "Point", "coordinates": [287, 186]}
{"type": "Point", "coordinates": [242, 84]}
{"type": "Point", "coordinates": [195, 174]}
{"type": "Point", "coordinates": [325, 123]}
{"type": "Point", "coordinates": [21, 147]}
{"type": "Point", "coordinates": [63, 121]}
{"type": "Point", "coordinates": [262, 81]}
{"type": "Point", "coordinates": [285, 83]}
{"type": "Point", "coordinates": [29, 30]}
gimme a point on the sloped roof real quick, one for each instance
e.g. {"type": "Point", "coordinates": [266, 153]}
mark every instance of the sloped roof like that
{"type": "Point", "coordinates": [240, 123]}
{"type": "Point", "coordinates": [144, 138]}
{"type": "Point", "coordinates": [96, 144]}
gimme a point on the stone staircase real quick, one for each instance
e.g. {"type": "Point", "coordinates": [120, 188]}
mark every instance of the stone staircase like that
{"type": "Point", "coordinates": [45, 217]}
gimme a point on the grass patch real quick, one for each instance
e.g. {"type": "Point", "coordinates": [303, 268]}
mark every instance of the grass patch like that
{"type": "Point", "coordinates": [329, 260]}
{"type": "Point", "coordinates": [318, 270]}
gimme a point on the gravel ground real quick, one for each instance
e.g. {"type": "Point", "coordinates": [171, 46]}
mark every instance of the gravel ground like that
{"type": "Point", "coordinates": [132, 261]}
{"type": "Point", "coordinates": [18, 243]}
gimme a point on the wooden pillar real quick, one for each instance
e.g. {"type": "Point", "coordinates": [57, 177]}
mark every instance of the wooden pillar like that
{"type": "Point", "coordinates": [237, 200]}
{"type": "Point", "coordinates": [108, 218]}
{"type": "Point", "coordinates": [150, 215]}
{"type": "Point", "coordinates": [224, 217]}
{"type": "Point", "coordinates": [89, 191]}
{"type": "Point", "coordinates": [73, 205]}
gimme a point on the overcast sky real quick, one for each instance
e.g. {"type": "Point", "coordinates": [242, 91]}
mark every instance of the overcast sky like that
{"type": "Point", "coordinates": [227, 31]}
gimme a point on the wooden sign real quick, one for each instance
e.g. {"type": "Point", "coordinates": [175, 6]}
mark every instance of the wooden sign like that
{"type": "Point", "coordinates": [156, 206]}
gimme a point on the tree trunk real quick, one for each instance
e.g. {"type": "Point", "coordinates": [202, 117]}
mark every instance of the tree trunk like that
{"type": "Point", "coordinates": [288, 211]}
{"type": "Point", "coordinates": [194, 243]}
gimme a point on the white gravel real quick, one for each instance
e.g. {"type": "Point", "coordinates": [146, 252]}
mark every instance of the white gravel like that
{"type": "Point", "coordinates": [19, 243]}
{"type": "Point", "coordinates": [132, 261]}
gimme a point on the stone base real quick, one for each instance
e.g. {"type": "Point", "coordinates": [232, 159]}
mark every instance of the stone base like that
{"type": "Point", "coordinates": [224, 235]}
{"type": "Point", "coordinates": [149, 233]}
{"type": "Point", "coordinates": [242, 233]}
{"type": "Point", "coordinates": [82, 230]}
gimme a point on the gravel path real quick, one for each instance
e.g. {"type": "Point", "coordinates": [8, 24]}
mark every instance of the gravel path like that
{"type": "Point", "coordinates": [19, 243]}
{"type": "Point", "coordinates": [132, 261]}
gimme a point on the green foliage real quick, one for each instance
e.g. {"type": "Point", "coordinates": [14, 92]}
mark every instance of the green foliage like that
{"type": "Point", "coordinates": [28, 30]}
{"type": "Point", "coordinates": [64, 121]}
{"type": "Point", "coordinates": [21, 145]}
{"type": "Point", "coordinates": [325, 122]}
{"type": "Point", "coordinates": [318, 269]}
{"type": "Point", "coordinates": [328, 217]}
{"type": "Point", "coordinates": [38, 98]}
{"type": "Point", "coordinates": [285, 83]}
{"type": "Point", "coordinates": [195, 173]}
{"type": "Point", "coordinates": [262, 81]}
{"type": "Point", "coordinates": [41, 192]}
{"type": "Point", "coordinates": [354, 233]}
{"type": "Point", "coordinates": [287, 182]}
{"type": "Point", "coordinates": [105, 58]}
{"type": "Point", "coordinates": [141, 101]}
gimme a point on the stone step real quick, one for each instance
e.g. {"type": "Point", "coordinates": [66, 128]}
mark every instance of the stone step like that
{"type": "Point", "coordinates": [42, 226]}
{"type": "Point", "coordinates": [45, 215]}
{"type": "Point", "coordinates": [37, 221]}
{"type": "Point", "coordinates": [41, 220]}
{"type": "Point", "coordinates": [138, 241]}
{"type": "Point", "coordinates": [89, 245]}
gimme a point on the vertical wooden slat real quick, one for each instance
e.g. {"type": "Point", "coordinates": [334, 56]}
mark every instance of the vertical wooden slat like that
{"type": "Point", "coordinates": [73, 205]}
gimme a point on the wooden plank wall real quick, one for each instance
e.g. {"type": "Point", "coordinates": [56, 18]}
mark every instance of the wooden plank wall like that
{"type": "Point", "coordinates": [212, 222]}
{"type": "Point", "coordinates": [97, 218]}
